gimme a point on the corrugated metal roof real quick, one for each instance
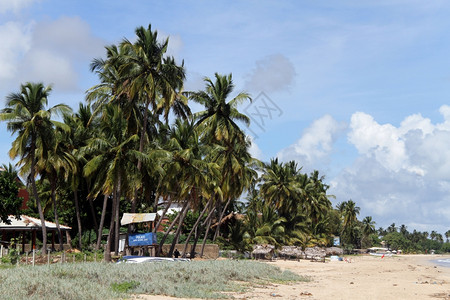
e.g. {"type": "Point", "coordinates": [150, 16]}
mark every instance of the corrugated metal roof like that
{"type": "Point", "coordinates": [137, 218]}
{"type": "Point", "coordinates": [29, 223]}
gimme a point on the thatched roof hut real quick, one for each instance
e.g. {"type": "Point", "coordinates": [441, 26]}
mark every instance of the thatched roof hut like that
{"type": "Point", "coordinates": [263, 251]}
{"type": "Point", "coordinates": [291, 252]}
{"type": "Point", "coordinates": [315, 253]}
{"type": "Point", "coordinates": [334, 251]}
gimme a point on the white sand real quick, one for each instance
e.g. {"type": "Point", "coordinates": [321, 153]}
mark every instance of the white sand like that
{"type": "Point", "coordinates": [366, 277]}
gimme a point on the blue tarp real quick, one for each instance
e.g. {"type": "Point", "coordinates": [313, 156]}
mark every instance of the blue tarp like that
{"type": "Point", "coordinates": [142, 239]}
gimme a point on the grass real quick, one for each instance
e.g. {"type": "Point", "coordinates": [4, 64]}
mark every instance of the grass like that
{"type": "Point", "coordinates": [196, 279]}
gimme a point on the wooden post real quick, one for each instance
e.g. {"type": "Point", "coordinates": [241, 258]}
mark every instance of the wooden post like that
{"type": "Point", "coordinates": [33, 257]}
{"type": "Point", "coordinates": [23, 241]}
{"type": "Point", "coordinates": [95, 256]}
{"type": "Point", "coordinates": [85, 257]}
{"type": "Point", "coordinates": [48, 257]}
{"type": "Point", "coordinates": [26, 258]}
{"type": "Point", "coordinates": [33, 240]}
{"type": "Point", "coordinates": [1, 251]}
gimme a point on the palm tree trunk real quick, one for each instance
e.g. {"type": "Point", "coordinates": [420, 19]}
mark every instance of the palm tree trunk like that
{"type": "Point", "coordinates": [196, 237]}
{"type": "Point", "coordinates": [94, 217]}
{"type": "Point", "coordinates": [117, 216]}
{"type": "Point", "coordinates": [162, 215]}
{"type": "Point", "coordinates": [77, 210]}
{"type": "Point", "coordinates": [206, 236]}
{"type": "Point", "coordinates": [141, 149]}
{"type": "Point", "coordinates": [38, 201]}
{"type": "Point", "coordinates": [111, 230]}
{"type": "Point", "coordinates": [177, 233]}
{"type": "Point", "coordinates": [194, 228]}
{"type": "Point", "coordinates": [55, 212]}
{"type": "Point", "coordinates": [102, 221]}
{"type": "Point", "coordinates": [216, 234]}
{"type": "Point", "coordinates": [161, 243]}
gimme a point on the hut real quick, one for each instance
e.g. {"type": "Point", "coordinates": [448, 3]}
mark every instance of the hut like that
{"type": "Point", "coordinates": [291, 252]}
{"type": "Point", "coordinates": [315, 253]}
{"type": "Point", "coordinates": [263, 251]}
{"type": "Point", "coordinates": [26, 227]}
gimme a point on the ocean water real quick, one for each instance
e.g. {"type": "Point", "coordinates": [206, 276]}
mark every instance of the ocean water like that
{"type": "Point", "coordinates": [444, 262]}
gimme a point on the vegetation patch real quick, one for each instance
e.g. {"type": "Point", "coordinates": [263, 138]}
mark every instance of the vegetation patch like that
{"type": "Point", "coordinates": [195, 279]}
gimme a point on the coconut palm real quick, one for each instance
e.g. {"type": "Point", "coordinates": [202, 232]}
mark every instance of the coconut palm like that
{"type": "Point", "coordinates": [112, 163]}
{"type": "Point", "coordinates": [147, 75]}
{"type": "Point", "coordinates": [218, 121]}
{"type": "Point", "coordinates": [27, 116]}
{"type": "Point", "coordinates": [280, 186]}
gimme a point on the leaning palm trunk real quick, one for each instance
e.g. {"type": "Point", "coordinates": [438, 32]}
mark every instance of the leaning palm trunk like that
{"type": "Point", "coordinates": [216, 234]}
{"type": "Point", "coordinates": [206, 237]}
{"type": "Point", "coordinates": [194, 228]}
{"type": "Point", "coordinates": [161, 243]}
{"type": "Point", "coordinates": [163, 215]}
{"type": "Point", "coordinates": [177, 233]}
{"type": "Point", "coordinates": [102, 222]}
{"type": "Point", "coordinates": [38, 201]}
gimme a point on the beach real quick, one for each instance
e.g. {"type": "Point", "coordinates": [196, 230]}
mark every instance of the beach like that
{"type": "Point", "coordinates": [360, 277]}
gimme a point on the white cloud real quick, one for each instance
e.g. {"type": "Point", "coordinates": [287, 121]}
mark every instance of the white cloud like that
{"type": "Point", "coordinates": [14, 5]}
{"type": "Point", "coordinates": [316, 142]}
{"type": "Point", "coordinates": [16, 41]}
{"type": "Point", "coordinates": [54, 52]}
{"type": "Point", "coordinates": [402, 174]}
{"type": "Point", "coordinates": [254, 150]}
{"type": "Point", "coordinates": [272, 73]}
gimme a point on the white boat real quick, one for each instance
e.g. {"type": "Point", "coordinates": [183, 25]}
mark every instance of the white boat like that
{"type": "Point", "coordinates": [131, 259]}
{"type": "Point", "coordinates": [378, 251]}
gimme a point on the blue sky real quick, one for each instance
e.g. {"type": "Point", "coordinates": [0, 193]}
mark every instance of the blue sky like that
{"type": "Point", "coordinates": [359, 90]}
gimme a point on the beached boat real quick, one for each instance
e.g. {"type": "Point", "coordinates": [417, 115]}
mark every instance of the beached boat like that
{"type": "Point", "coordinates": [132, 259]}
{"type": "Point", "coordinates": [378, 251]}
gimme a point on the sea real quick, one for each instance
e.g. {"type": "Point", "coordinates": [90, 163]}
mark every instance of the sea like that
{"type": "Point", "coordinates": [444, 262]}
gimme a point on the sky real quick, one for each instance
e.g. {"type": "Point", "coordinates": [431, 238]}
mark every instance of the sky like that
{"type": "Point", "coordinates": [358, 90]}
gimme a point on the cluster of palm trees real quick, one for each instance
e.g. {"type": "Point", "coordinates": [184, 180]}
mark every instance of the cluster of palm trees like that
{"type": "Point", "coordinates": [136, 145]}
{"type": "Point", "coordinates": [119, 146]}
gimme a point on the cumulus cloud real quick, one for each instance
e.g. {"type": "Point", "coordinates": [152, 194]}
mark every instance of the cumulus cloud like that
{"type": "Point", "coordinates": [402, 174]}
{"type": "Point", "coordinates": [51, 51]}
{"type": "Point", "coordinates": [272, 73]}
{"type": "Point", "coordinates": [16, 41]}
{"type": "Point", "coordinates": [316, 142]}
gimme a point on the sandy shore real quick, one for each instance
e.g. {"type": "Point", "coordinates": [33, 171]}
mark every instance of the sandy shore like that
{"type": "Point", "coordinates": [366, 277]}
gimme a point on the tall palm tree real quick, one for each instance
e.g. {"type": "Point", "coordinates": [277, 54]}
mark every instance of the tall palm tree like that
{"type": "Point", "coordinates": [447, 235]}
{"type": "Point", "coordinates": [27, 116]}
{"type": "Point", "coordinates": [147, 75]}
{"type": "Point", "coordinates": [112, 163]}
{"type": "Point", "coordinates": [280, 186]}
{"type": "Point", "coordinates": [57, 166]}
{"type": "Point", "coordinates": [218, 121]}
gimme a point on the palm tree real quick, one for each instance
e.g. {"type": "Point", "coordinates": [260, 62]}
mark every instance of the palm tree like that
{"type": "Point", "coordinates": [218, 121]}
{"type": "Point", "coordinates": [349, 215]}
{"type": "Point", "coordinates": [280, 186]}
{"type": "Point", "coordinates": [147, 74]}
{"type": "Point", "coordinates": [112, 163]}
{"type": "Point", "coordinates": [57, 166]}
{"type": "Point", "coordinates": [27, 116]}
{"type": "Point", "coordinates": [447, 235]}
